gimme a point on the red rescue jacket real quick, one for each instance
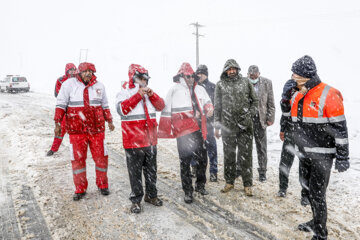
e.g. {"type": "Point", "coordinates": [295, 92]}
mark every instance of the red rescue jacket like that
{"type": "Point", "coordinates": [138, 114]}
{"type": "Point", "coordinates": [62, 79]}
{"type": "Point", "coordinates": [178, 117]}
{"type": "Point", "coordinates": [85, 106]}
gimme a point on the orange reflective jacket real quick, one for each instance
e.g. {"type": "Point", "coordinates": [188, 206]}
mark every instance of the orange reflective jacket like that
{"type": "Point", "coordinates": [319, 122]}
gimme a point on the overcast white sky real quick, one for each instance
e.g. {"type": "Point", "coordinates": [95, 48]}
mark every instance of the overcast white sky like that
{"type": "Point", "coordinates": [39, 37]}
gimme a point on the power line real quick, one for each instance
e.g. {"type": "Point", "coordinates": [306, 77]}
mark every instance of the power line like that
{"type": "Point", "coordinates": [197, 26]}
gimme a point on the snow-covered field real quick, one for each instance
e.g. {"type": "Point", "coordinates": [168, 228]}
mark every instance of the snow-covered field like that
{"type": "Point", "coordinates": [26, 129]}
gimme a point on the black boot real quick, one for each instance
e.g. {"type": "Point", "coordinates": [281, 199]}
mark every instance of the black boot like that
{"type": "Point", "coordinates": [188, 198]}
{"type": "Point", "coordinates": [78, 196]}
{"type": "Point", "coordinates": [135, 208]}
{"type": "Point", "coordinates": [304, 201]}
{"type": "Point", "coordinates": [306, 227]}
{"type": "Point", "coordinates": [262, 178]}
{"type": "Point", "coordinates": [282, 193]}
{"type": "Point", "coordinates": [262, 175]}
{"type": "Point", "coordinates": [202, 191]}
{"type": "Point", "coordinates": [104, 191]}
{"type": "Point", "coordinates": [316, 237]}
{"type": "Point", "coordinates": [50, 153]}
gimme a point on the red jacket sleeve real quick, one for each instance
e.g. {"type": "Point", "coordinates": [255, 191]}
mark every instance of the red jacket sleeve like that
{"type": "Point", "coordinates": [59, 114]}
{"type": "Point", "coordinates": [107, 115]}
{"type": "Point", "coordinates": [157, 102]}
{"type": "Point", "coordinates": [130, 104]}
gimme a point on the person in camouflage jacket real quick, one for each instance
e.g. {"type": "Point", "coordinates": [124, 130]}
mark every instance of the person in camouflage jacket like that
{"type": "Point", "coordinates": [235, 105]}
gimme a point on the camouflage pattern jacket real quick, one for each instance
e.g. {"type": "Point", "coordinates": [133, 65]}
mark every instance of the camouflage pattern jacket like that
{"type": "Point", "coordinates": [235, 101]}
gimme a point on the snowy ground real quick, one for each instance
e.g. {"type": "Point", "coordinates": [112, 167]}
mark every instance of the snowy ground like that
{"type": "Point", "coordinates": [26, 129]}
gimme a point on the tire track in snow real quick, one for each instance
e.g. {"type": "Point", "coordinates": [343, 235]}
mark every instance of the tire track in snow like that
{"type": "Point", "coordinates": [211, 219]}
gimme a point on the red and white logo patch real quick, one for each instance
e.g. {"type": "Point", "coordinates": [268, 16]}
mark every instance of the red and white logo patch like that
{"type": "Point", "coordinates": [313, 105]}
{"type": "Point", "coordinates": [98, 92]}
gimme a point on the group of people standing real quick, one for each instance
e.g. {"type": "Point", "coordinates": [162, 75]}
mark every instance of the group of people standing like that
{"type": "Point", "coordinates": [195, 111]}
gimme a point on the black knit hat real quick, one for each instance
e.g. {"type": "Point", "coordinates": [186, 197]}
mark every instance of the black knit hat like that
{"type": "Point", "coordinates": [202, 69]}
{"type": "Point", "coordinates": [304, 66]}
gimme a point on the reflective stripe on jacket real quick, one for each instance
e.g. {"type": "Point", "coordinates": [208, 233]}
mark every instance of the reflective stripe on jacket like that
{"type": "Point", "coordinates": [85, 106]}
{"type": "Point", "coordinates": [319, 122]}
{"type": "Point", "coordinates": [138, 129]}
{"type": "Point", "coordinates": [178, 117]}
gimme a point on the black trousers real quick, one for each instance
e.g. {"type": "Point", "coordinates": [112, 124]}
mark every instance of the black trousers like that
{"type": "Point", "coordinates": [191, 148]}
{"type": "Point", "coordinates": [314, 177]}
{"type": "Point", "coordinates": [139, 160]}
{"type": "Point", "coordinates": [286, 161]}
{"type": "Point", "coordinates": [211, 149]}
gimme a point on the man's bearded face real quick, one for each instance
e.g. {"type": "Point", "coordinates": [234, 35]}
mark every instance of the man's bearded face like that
{"type": "Point", "coordinates": [86, 75]}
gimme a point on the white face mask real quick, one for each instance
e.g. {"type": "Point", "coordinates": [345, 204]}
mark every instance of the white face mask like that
{"type": "Point", "coordinates": [140, 82]}
{"type": "Point", "coordinates": [254, 81]}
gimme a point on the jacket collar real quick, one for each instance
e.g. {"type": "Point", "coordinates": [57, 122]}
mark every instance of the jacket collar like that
{"type": "Point", "coordinates": [183, 83]}
{"type": "Point", "coordinates": [204, 82]}
{"type": "Point", "coordinates": [227, 79]}
{"type": "Point", "coordinates": [313, 82]}
{"type": "Point", "coordinates": [92, 80]}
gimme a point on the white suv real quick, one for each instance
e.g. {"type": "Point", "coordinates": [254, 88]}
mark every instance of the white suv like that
{"type": "Point", "coordinates": [14, 83]}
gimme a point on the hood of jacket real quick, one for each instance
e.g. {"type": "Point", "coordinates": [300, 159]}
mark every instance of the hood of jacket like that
{"type": "Point", "coordinates": [185, 69]}
{"type": "Point", "coordinates": [68, 67]}
{"type": "Point", "coordinates": [86, 66]}
{"type": "Point", "coordinates": [133, 68]}
{"type": "Point", "coordinates": [230, 63]}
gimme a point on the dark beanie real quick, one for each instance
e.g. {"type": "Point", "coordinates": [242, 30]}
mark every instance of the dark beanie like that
{"type": "Point", "coordinates": [202, 69]}
{"type": "Point", "coordinates": [304, 66]}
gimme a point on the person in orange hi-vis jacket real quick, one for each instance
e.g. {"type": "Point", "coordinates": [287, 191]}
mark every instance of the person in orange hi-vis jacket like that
{"type": "Point", "coordinates": [82, 101]}
{"type": "Point", "coordinates": [317, 112]}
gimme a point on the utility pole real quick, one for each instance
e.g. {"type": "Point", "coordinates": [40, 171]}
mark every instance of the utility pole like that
{"type": "Point", "coordinates": [197, 26]}
{"type": "Point", "coordinates": [86, 54]}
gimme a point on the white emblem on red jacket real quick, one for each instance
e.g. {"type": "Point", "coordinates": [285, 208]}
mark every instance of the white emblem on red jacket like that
{"type": "Point", "coordinates": [83, 115]}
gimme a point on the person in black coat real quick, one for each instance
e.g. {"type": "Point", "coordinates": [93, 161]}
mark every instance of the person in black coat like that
{"type": "Point", "coordinates": [320, 134]}
{"type": "Point", "coordinates": [210, 143]}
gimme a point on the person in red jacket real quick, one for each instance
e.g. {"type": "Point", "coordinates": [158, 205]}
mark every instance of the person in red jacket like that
{"type": "Point", "coordinates": [82, 101]}
{"type": "Point", "coordinates": [137, 104]}
{"type": "Point", "coordinates": [70, 70]}
{"type": "Point", "coordinates": [187, 106]}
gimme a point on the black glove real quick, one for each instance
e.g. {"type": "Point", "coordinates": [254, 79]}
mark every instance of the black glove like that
{"type": "Point", "coordinates": [288, 87]}
{"type": "Point", "coordinates": [342, 165]}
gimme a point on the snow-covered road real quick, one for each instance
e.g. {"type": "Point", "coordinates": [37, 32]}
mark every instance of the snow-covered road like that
{"type": "Point", "coordinates": [38, 190]}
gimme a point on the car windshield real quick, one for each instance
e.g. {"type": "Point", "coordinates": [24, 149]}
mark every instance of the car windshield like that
{"type": "Point", "coordinates": [19, 79]}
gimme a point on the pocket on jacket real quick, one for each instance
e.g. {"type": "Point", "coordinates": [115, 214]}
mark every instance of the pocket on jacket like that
{"type": "Point", "coordinates": [74, 122]}
{"type": "Point", "coordinates": [134, 132]}
{"type": "Point", "coordinates": [99, 118]}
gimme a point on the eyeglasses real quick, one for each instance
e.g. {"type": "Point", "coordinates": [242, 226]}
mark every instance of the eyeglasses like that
{"type": "Point", "coordinates": [188, 76]}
